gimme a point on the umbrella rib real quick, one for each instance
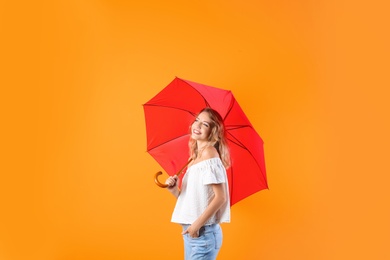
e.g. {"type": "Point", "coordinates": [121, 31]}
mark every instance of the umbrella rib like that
{"type": "Point", "coordinates": [161, 144]}
{"type": "Point", "coordinates": [235, 141]}
{"type": "Point", "coordinates": [207, 103]}
{"type": "Point", "coordinates": [151, 105]}
{"type": "Point", "coordinates": [234, 127]}
{"type": "Point", "coordinates": [230, 108]}
{"type": "Point", "coordinates": [238, 143]}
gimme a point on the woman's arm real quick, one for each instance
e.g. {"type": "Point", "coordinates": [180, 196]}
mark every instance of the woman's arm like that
{"type": "Point", "coordinates": [172, 185]}
{"type": "Point", "coordinates": [216, 203]}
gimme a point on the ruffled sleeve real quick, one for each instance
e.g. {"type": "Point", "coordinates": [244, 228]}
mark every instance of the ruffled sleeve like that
{"type": "Point", "coordinates": [213, 172]}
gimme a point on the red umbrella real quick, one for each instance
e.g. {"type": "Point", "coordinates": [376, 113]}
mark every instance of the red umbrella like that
{"type": "Point", "coordinates": [169, 115]}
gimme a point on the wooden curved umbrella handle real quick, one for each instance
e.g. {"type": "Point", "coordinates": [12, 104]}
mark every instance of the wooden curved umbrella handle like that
{"type": "Point", "coordinates": [159, 173]}
{"type": "Point", "coordinates": [158, 182]}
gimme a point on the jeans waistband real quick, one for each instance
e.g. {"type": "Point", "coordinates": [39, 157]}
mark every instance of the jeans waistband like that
{"type": "Point", "coordinates": [205, 228]}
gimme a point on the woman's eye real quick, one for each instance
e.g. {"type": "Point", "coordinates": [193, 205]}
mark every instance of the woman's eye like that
{"type": "Point", "coordinates": [206, 125]}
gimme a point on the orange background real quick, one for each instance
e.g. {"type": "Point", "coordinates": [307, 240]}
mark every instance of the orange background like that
{"type": "Point", "coordinates": [312, 76]}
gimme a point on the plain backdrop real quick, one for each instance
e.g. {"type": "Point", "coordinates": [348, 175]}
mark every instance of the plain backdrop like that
{"type": "Point", "coordinates": [311, 75]}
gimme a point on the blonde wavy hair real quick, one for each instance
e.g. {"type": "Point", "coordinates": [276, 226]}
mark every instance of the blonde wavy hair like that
{"type": "Point", "coordinates": [217, 137]}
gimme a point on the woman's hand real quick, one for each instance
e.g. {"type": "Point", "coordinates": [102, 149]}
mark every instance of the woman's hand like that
{"type": "Point", "coordinates": [192, 231]}
{"type": "Point", "coordinates": [172, 182]}
{"type": "Point", "coordinates": [172, 185]}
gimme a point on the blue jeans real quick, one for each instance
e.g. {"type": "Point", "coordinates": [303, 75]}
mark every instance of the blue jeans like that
{"type": "Point", "coordinates": [206, 246]}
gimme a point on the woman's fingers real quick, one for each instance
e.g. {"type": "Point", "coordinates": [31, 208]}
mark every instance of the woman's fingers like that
{"type": "Point", "coordinates": [192, 233]}
{"type": "Point", "coordinates": [171, 181]}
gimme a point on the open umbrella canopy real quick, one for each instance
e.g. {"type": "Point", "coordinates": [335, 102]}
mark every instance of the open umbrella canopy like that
{"type": "Point", "coordinates": [168, 117]}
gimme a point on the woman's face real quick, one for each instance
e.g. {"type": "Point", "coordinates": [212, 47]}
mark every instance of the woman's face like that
{"type": "Point", "coordinates": [201, 128]}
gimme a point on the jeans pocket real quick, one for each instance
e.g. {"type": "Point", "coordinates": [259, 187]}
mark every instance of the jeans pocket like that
{"type": "Point", "coordinates": [193, 238]}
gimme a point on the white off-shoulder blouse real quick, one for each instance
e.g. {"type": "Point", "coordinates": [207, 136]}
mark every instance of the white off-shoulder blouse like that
{"type": "Point", "coordinates": [196, 193]}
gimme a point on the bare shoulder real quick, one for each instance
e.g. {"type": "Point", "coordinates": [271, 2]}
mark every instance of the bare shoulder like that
{"type": "Point", "coordinates": [210, 152]}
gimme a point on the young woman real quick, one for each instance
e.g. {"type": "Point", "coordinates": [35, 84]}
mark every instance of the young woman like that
{"type": "Point", "coordinates": [203, 200]}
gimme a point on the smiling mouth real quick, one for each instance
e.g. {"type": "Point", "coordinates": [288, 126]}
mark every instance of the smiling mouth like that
{"type": "Point", "coordinates": [196, 132]}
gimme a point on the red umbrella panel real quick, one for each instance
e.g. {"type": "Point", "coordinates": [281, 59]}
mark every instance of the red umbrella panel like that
{"type": "Point", "coordinates": [168, 117]}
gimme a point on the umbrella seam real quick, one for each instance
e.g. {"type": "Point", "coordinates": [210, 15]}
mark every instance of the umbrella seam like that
{"type": "Point", "coordinates": [151, 105]}
{"type": "Point", "coordinates": [207, 103]}
{"type": "Point", "coordinates": [166, 142]}
{"type": "Point", "coordinates": [238, 143]}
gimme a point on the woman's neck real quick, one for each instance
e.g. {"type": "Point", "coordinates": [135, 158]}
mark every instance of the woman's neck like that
{"type": "Point", "coordinates": [201, 145]}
